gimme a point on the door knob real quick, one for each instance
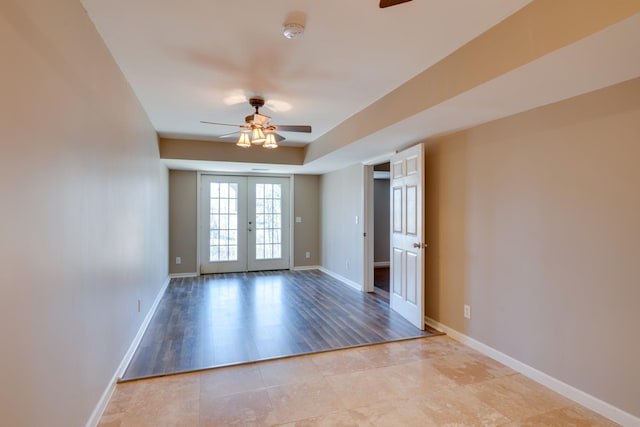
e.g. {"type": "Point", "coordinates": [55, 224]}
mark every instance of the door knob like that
{"type": "Point", "coordinates": [419, 245]}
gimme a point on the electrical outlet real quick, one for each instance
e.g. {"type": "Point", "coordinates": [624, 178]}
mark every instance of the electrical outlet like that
{"type": "Point", "coordinates": [178, 260]}
{"type": "Point", "coordinates": [467, 311]}
{"type": "Point", "coordinates": [307, 254]}
{"type": "Point", "coordinates": [298, 219]}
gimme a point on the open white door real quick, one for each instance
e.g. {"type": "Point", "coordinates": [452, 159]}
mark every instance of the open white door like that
{"type": "Point", "coordinates": [407, 261]}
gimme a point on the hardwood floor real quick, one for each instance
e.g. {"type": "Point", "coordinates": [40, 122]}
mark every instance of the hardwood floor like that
{"type": "Point", "coordinates": [226, 319]}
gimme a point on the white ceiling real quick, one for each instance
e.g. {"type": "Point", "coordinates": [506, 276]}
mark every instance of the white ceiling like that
{"type": "Point", "coordinates": [184, 59]}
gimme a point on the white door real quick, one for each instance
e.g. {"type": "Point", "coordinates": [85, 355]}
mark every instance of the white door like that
{"type": "Point", "coordinates": [244, 224]}
{"type": "Point", "coordinates": [407, 243]}
{"type": "Point", "coordinates": [268, 229]}
{"type": "Point", "coordinates": [223, 224]}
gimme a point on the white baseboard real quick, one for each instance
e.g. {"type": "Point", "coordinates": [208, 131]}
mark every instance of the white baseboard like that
{"type": "Point", "coordinates": [181, 275]}
{"type": "Point", "coordinates": [106, 396]}
{"type": "Point", "coordinates": [381, 264]}
{"type": "Point", "coordinates": [306, 267]}
{"type": "Point", "coordinates": [601, 407]}
{"type": "Point", "coordinates": [343, 279]}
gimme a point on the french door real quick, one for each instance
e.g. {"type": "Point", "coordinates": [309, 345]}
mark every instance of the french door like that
{"type": "Point", "coordinates": [407, 241]}
{"type": "Point", "coordinates": [244, 223]}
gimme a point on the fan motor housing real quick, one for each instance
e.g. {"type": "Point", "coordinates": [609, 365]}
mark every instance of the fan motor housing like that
{"type": "Point", "coordinates": [256, 101]}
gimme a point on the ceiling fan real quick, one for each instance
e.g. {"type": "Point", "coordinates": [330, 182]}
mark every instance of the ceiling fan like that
{"type": "Point", "coordinates": [258, 130]}
{"type": "Point", "coordinates": [387, 3]}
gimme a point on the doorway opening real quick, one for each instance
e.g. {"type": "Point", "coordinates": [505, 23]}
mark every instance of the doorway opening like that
{"type": "Point", "coordinates": [381, 230]}
{"type": "Point", "coordinates": [406, 237]}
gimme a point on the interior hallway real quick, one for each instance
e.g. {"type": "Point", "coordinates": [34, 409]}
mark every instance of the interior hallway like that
{"type": "Point", "coordinates": [423, 382]}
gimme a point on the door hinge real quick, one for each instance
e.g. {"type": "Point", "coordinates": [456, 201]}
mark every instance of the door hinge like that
{"type": "Point", "coordinates": [364, 234]}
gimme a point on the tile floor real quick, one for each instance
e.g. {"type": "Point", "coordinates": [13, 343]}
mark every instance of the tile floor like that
{"type": "Point", "coordinates": [423, 382]}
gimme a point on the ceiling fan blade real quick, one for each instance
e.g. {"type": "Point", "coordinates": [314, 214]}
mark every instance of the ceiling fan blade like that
{"type": "Point", "coordinates": [279, 138]}
{"type": "Point", "coordinates": [228, 135]}
{"type": "Point", "coordinates": [387, 3]}
{"type": "Point", "coordinates": [293, 128]}
{"type": "Point", "coordinates": [221, 124]}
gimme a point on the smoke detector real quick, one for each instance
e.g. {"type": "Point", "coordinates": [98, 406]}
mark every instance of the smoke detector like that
{"type": "Point", "coordinates": [293, 31]}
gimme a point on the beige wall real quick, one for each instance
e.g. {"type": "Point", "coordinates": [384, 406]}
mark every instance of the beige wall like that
{"type": "Point", "coordinates": [83, 215]}
{"type": "Point", "coordinates": [534, 220]}
{"type": "Point", "coordinates": [306, 235]}
{"type": "Point", "coordinates": [183, 217]}
{"type": "Point", "coordinates": [341, 240]}
{"type": "Point", "coordinates": [187, 149]}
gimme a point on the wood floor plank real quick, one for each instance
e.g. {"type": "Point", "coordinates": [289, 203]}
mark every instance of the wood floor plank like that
{"type": "Point", "coordinates": [223, 319]}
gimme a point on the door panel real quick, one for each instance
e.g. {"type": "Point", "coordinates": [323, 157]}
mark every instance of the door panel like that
{"type": "Point", "coordinates": [412, 210]}
{"type": "Point", "coordinates": [407, 240]}
{"type": "Point", "coordinates": [412, 277]}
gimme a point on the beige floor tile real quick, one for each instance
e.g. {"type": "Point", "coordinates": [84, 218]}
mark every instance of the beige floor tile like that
{"type": "Point", "coordinates": [158, 395]}
{"type": "Point", "coordinates": [414, 378]}
{"type": "Point", "coordinates": [435, 347]}
{"type": "Point", "coordinates": [234, 379]}
{"type": "Point", "coordinates": [289, 371]}
{"type": "Point", "coordinates": [468, 368]}
{"type": "Point", "coordinates": [362, 388]}
{"type": "Point", "coordinates": [383, 355]}
{"type": "Point", "coordinates": [176, 413]}
{"type": "Point", "coordinates": [122, 395]}
{"type": "Point", "coordinates": [424, 382]}
{"type": "Point", "coordinates": [249, 408]}
{"type": "Point", "coordinates": [458, 407]}
{"type": "Point", "coordinates": [299, 401]}
{"type": "Point", "coordinates": [171, 400]}
{"type": "Point", "coordinates": [340, 362]}
{"type": "Point", "coordinates": [398, 412]}
{"type": "Point", "coordinates": [337, 419]}
{"type": "Point", "coordinates": [575, 416]}
{"type": "Point", "coordinates": [518, 397]}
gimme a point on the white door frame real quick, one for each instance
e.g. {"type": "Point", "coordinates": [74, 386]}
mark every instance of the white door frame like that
{"type": "Point", "coordinates": [199, 218]}
{"type": "Point", "coordinates": [369, 238]}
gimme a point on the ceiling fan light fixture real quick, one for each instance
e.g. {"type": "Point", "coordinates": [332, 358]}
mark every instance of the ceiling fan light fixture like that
{"type": "Point", "coordinates": [258, 130]}
{"type": "Point", "coordinates": [244, 141]}
{"type": "Point", "coordinates": [257, 136]}
{"type": "Point", "coordinates": [270, 141]}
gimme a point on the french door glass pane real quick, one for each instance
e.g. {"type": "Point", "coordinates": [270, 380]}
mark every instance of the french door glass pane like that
{"type": "Point", "coordinates": [223, 222]}
{"type": "Point", "coordinates": [268, 221]}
